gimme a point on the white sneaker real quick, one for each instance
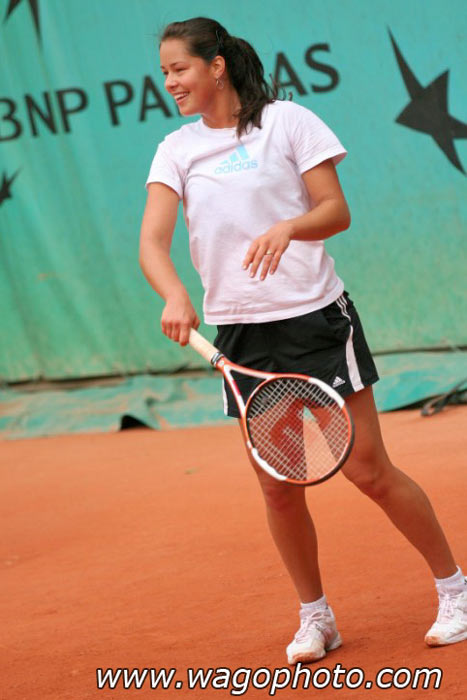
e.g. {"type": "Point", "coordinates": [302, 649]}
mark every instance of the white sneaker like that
{"type": "Point", "coordinates": [451, 624]}
{"type": "Point", "coordinates": [317, 635]}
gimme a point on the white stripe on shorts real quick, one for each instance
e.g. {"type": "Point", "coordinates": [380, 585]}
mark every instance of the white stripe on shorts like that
{"type": "Point", "coordinates": [354, 374]}
{"type": "Point", "coordinates": [224, 399]}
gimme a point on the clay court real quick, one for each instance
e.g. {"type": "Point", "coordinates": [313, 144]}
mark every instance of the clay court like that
{"type": "Point", "coordinates": [147, 549]}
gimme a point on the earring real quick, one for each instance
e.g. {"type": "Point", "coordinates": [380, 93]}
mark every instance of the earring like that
{"type": "Point", "coordinates": [219, 84]}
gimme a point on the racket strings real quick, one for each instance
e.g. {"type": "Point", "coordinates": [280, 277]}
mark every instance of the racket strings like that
{"type": "Point", "coordinates": [297, 428]}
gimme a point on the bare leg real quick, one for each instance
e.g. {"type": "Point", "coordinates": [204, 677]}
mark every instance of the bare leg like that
{"type": "Point", "coordinates": [403, 501]}
{"type": "Point", "coordinates": [294, 535]}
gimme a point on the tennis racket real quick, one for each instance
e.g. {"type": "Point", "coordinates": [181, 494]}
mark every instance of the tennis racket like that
{"type": "Point", "coordinates": [296, 428]}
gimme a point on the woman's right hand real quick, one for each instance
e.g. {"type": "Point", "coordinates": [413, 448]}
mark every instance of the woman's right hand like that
{"type": "Point", "coordinates": [178, 317]}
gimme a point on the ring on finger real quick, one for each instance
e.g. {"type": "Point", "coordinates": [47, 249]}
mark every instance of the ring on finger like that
{"type": "Point", "coordinates": [269, 252]}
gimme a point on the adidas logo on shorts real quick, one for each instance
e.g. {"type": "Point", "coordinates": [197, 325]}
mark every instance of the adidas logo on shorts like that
{"type": "Point", "coordinates": [238, 161]}
{"type": "Point", "coordinates": [338, 382]}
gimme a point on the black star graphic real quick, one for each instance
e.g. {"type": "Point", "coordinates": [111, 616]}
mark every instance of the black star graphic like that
{"type": "Point", "coordinates": [428, 110]}
{"type": "Point", "coordinates": [5, 187]}
{"type": "Point", "coordinates": [33, 6]}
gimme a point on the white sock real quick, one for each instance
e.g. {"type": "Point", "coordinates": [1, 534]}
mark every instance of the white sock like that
{"type": "Point", "coordinates": [320, 604]}
{"type": "Point", "coordinates": [455, 583]}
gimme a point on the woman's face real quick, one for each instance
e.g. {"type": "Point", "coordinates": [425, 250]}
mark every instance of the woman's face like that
{"type": "Point", "coordinates": [189, 79]}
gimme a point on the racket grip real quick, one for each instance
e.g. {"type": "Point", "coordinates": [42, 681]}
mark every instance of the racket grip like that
{"type": "Point", "coordinates": [201, 345]}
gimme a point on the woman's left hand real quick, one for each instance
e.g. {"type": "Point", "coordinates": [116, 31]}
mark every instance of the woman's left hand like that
{"type": "Point", "coordinates": [267, 250]}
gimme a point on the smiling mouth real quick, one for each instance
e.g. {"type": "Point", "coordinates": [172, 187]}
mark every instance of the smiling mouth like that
{"type": "Point", "coordinates": [180, 97]}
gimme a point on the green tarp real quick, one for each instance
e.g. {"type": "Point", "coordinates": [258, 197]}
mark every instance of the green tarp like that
{"type": "Point", "coordinates": [82, 109]}
{"type": "Point", "coordinates": [164, 402]}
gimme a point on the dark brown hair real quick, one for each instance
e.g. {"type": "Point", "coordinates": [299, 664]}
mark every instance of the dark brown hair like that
{"type": "Point", "coordinates": [207, 39]}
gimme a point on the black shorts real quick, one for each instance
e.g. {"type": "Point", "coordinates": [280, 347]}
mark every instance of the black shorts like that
{"type": "Point", "coordinates": [328, 344]}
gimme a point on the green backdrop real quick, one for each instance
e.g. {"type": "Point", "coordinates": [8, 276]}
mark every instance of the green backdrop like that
{"type": "Point", "coordinates": [82, 108]}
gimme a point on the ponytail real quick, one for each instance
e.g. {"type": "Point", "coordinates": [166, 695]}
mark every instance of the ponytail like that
{"type": "Point", "coordinates": [207, 39]}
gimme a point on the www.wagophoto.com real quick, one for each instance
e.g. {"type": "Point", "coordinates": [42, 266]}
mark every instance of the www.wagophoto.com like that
{"type": "Point", "coordinates": [238, 681]}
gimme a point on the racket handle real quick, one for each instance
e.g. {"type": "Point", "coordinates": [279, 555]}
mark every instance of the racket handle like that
{"type": "Point", "coordinates": [202, 346]}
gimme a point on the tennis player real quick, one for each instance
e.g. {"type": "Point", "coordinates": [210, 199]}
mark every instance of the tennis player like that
{"type": "Point", "coordinates": [257, 177]}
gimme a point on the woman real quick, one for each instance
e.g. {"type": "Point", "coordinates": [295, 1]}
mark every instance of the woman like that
{"type": "Point", "coordinates": [260, 194]}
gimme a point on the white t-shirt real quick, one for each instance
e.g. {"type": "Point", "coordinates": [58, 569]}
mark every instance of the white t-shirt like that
{"type": "Point", "coordinates": [235, 190]}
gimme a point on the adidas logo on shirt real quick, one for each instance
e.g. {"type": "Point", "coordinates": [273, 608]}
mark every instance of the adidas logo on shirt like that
{"type": "Point", "coordinates": [338, 382]}
{"type": "Point", "coordinates": [238, 161]}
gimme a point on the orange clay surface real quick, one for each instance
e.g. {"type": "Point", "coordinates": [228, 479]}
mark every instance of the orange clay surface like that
{"type": "Point", "coordinates": [150, 549]}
